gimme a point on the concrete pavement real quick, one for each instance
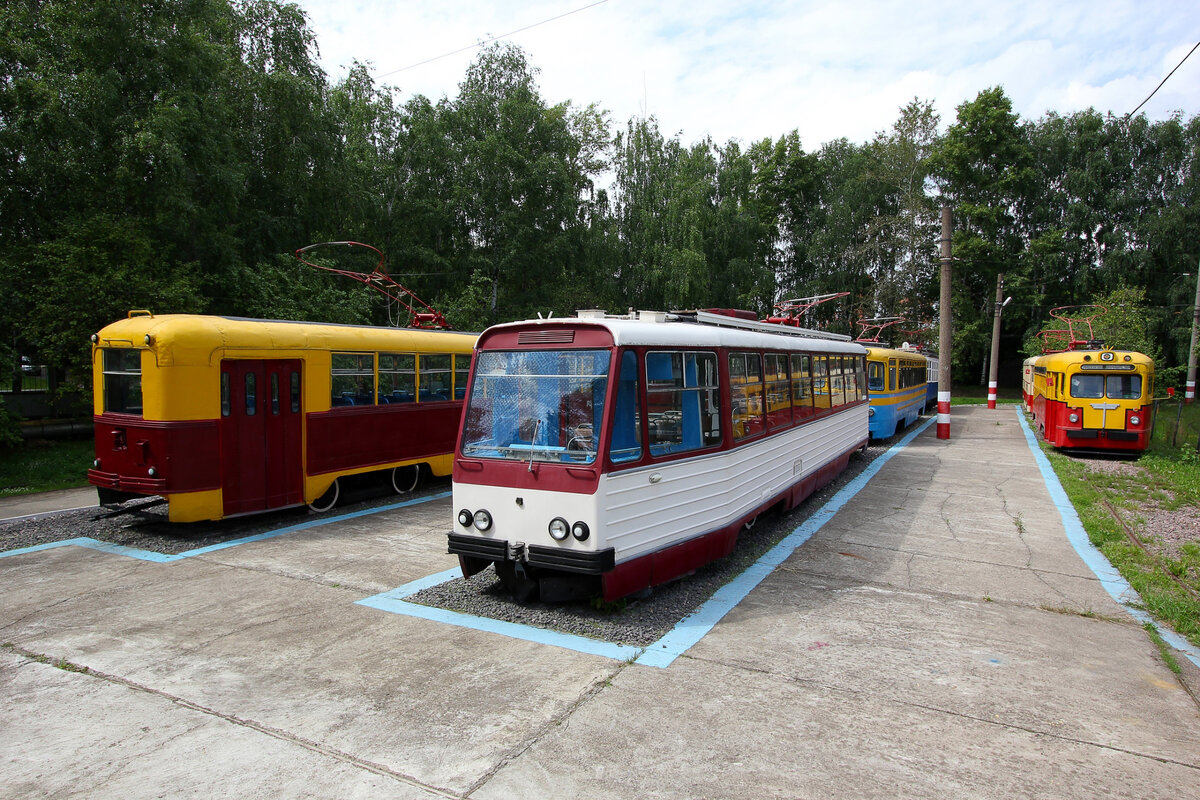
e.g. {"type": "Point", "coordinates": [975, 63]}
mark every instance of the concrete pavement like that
{"type": "Point", "coordinates": [938, 636]}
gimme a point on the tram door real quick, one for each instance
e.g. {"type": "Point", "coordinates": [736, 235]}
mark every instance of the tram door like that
{"type": "Point", "coordinates": [261, 419]}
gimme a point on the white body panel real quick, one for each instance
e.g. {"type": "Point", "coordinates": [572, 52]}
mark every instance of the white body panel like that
{"type": "Point", "coordinates": [642, 510]}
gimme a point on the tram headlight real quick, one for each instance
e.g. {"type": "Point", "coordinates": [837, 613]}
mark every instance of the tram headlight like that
{"type": "Point", "coordinates": [465, 518]}
{"type": "Point", "coordinates": [95, 463]}
{"type": "Point", "coordinates": [1135, 420]}
{"type": "Point", "coordinates": [558, 529]}
{"type": "Point", "coordinates": [581, 531]}
{"type": "Point", "coordinates": [1073, 417]}
{"type": "Point", "coordinates": [152, 472]}
{"type": "Point", "coordinates": [870, 411]}
{"type": "Point", "coordinates": [482, 520]}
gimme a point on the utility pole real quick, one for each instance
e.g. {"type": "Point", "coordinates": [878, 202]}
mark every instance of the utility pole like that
{"type": "Point", "coordinates": [1189, 391]}
{"type": "Point", "coordinates": [945, 339]}
{"type": "Point", "coordinates": [994, 363]}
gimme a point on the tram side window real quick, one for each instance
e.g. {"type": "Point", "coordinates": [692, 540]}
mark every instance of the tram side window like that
{"type": "Point", "coordinates": [462, 368]}
{"type": "Point", "coordinates": [434, 378]}
{"type": "Point", "coordinates": [746, 388]}
{"type": "Point", "coordinates": [860, 377]}
{"type": "Point", "coordinates": [1087, 387]}
{"type": "Point", "coordinates": [122, 381]}
{"type": "Point", "coordinates": [779, 397]}
{"type": "Point", "coordinates": [681, 401]}
{"type": "Point", "coordinates": [625, 443]}
{"type": "Point", "coordinates": [397, 378]}
{"type": "Point", "coordinates": [295, 392]}
{"type": "Point", "coordinates": [820, 371]}
{"type": "Point", "coordinates": [226, 405]}
{"type": "Point", "coordinates": [837, 382]}
{"type": "Point", "coordinates": [353, 379]}
{"type": "Point", "coordinates": [875, 376]}
{"type": "Point", "coordinates": [802, 400]}
{"type": "Point", "coordinates": [250, 395]}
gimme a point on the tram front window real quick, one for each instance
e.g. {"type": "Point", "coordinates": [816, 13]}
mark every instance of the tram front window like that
{"type": "Point", "coordinates": [536, 405]}
{"type": "Point", "coordinates": [1123, 387]}
{"type": "Point", "coordinates": [1087, 387]}
{"type": "Point", "coordinates": [122, 381]}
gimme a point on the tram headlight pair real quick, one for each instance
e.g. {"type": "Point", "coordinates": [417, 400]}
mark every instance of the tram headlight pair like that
{"type": "Point", "coordinates": [481, 520]}
{"type": "Point", "coordinates": [559, 529]}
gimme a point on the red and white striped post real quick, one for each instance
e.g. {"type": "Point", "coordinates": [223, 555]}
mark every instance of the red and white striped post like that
{"type": "Point", "coordinates": [1189, 390]}
{"type": "Point", "coordinates": [945, 339]}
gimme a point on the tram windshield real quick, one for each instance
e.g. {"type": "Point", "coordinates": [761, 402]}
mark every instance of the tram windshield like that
{"type": "Point", "coordinates": [1116, 387]}
{"type": "Point", "coordinates": [536, 405]}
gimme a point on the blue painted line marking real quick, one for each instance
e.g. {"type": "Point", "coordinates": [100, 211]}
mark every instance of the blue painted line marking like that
{"type": "Point", "coordinates": [163, 558]}
{"type": "Point", "coordinates": [687, 632]}
{"type": "Point", "coordinates": [694, 627]}
{"type": "Point", "coordinates": [1116, 586]}
{"type": "Point", "coordinates": [393, 601]}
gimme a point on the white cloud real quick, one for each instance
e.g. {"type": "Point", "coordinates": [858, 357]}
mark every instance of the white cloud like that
{"type": "Point", "coordinates": [750, 71]}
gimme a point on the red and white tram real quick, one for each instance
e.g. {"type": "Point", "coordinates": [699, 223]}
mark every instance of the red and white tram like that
{"type": "Point", "coordinates": [602, 455]}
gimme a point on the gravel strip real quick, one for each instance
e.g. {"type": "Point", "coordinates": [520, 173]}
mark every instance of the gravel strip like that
{"type": "Point", "coordinates": [636, 621]}
{"type": "Point", "coordinates": [150, 530]}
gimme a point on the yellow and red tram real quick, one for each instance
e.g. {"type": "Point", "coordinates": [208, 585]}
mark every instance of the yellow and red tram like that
{"type": "Point", "coordinates": [223, 416]}
{"type": "Point", "coordinates": [1093, 399]}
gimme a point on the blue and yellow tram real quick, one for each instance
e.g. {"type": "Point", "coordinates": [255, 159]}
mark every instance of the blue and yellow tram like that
{"type": "Point", "coordinates": [897, 381]}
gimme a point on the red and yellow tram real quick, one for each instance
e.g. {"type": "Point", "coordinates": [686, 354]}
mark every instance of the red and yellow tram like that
{"type": "Point", "coordinates": [224, 416]}
{"type": "Point", "coordinates": [1093, 399]}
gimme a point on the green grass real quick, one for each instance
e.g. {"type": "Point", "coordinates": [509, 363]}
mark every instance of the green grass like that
{"type": "Point", "coordinates": [1169, 478]}
{"type": "Point", "coordinates": [45, 465]}
{"type": "Point", "coordinates": [971, 395]}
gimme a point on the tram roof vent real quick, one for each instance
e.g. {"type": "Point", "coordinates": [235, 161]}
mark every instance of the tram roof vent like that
{"type": "Point", "coordinates": [591, 313]}
{"type": "Point", "coordinates": [652, 316]}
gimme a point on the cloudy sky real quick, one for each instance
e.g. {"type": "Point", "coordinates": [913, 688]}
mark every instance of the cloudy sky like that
{"type": "Point", "coordinates": [749, 70]}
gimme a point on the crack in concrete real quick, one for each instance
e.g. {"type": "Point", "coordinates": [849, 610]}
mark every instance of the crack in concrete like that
{"type": "Point", "coordinates": [276, 733]}
{"type": "Point", "coordinates": [555, 722]}
{"type": "Point", "coordinates": [874, 695]}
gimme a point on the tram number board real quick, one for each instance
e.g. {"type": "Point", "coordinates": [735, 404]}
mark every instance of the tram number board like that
{"type": "Point", "coordinates": [1107, 367]}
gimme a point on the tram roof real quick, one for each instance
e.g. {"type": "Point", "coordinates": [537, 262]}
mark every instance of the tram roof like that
{"type": "Point", "coordinates": [193, 337]}
{"type": "Point", "coordinates": [1066, 358]}
{"type": "Point", "coordinates": [686, 330]}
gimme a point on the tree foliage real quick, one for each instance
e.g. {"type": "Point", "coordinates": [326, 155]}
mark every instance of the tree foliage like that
{"type": "Point", "coordinates": [171, 154]}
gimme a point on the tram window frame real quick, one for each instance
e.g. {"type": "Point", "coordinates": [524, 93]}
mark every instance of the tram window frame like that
{"type": "Point", "coordinates": [462, 370]}
{"type": "Point", "coordinates": [860, 377]}
{"type": "Point", "coordinates": [435, 377]}
{"type": "Point", "coordinates": [226, 395]}
{"type": "Point", "coordinates": [398, 377]}
{"type": "Point", "coordinates": [687, 402]}
{"type": "Point", "coordinates": [820, 383]}
{"type": "Point", "coordinates": [274, 394]}
{"type": "Point", "coordinates": [250, 393]}
{"type": "Point", "coordinates": [1123, 395]}
{"type": "Point", "coordinates": [294, 380]}
{"type": "Point", "coordinates": [777, 380]}
{"type": "Point", "coordinates": [122, 369]}
{"type": "Point", "coordinates": [352, 382]}
{"type": "Point", "coordinates": [802, 389]}
{"type": "Point", "coordinates": [837, 382]}
{"type": "Point", "coordinates": [876, 376]}
{"type": "Point", "coordinates": [627, 420]}
{"type": "Point", "coordinates": [750, 422]}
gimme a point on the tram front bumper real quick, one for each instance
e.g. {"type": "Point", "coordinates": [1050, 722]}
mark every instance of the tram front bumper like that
{"type": "Point", "coordinates": [591, 562]}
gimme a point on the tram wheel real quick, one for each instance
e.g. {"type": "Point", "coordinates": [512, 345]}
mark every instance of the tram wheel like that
{"type": "Point", "coordinates": [405, 479]}
{"type": "Point", "coordinates": [327, 500]}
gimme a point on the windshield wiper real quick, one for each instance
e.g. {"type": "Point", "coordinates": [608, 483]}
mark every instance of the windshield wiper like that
{"type": "Point", "coordinates": [533, 442]}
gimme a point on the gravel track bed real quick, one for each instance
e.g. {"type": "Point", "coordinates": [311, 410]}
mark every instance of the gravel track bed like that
{"type": "Point", "coordinates": [150, 530]}
{"type": "Point", "coordinates": [636, 621]}
{"type": "Point", "coordinates": [641, 621]}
